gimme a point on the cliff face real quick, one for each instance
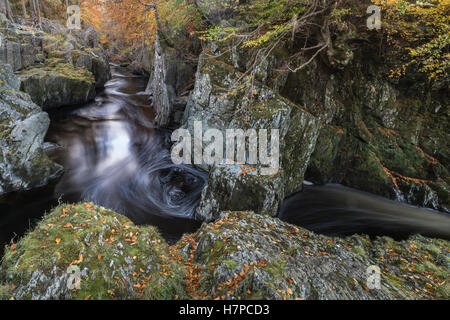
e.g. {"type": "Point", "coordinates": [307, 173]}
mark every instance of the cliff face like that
{"type": "Point", "coordinates": [364, 131]}
{"type": "Point", "coordinates": [56, 68]}
{"type": "Point", "coordinates": [386, 138]}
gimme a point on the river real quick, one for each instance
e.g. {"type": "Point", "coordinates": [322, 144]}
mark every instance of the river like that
{"type": "Point", "coordinates": [114, 156]}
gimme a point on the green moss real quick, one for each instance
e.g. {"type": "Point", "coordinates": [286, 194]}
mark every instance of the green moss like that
{"type": "Point", "coordinates": [276, 267]}
{"type": "Point", "coordinates": [230, 264]}
{"type": "Point", "coordinates": [5, 292]}
{"type": "Point", "coordinates": [103, 243]}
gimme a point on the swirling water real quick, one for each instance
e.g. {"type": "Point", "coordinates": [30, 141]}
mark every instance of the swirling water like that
{"type": "Point", "coordinates": [114, 156]}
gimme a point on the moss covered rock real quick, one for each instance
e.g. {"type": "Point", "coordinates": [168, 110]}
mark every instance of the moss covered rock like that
{"type": "Point", "coordinates": [57, 67]}
{"type": "Point", "coordinates": [240, 256]}
{"type": "Point", "coordinates": [58, 84]}
{"type": "Point", "coordinates": [382, 137]}
{"type": "Point", "coordinates": [115, 259]}
{"type": "Point", "coordinates": [233, 186]}
{"type": "Point", "coordinates": [23, 126]}
{"type": "Point", "coordinates": [248, 256]}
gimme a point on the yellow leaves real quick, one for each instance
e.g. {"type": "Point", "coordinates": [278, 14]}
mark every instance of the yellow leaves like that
{"type": "Point", "coordinates": [58, 240]}
{"type": "Point", "coordinates": [68, 225]}
{"type": "Point", "coordinates": [289, 292]}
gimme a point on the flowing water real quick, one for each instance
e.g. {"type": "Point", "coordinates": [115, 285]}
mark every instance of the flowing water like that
{"type": "Point", "coordinates": [336, 210]}
{"type": "Point", "coordinates": [114, 156]}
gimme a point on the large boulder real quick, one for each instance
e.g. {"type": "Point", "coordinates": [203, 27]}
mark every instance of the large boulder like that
{"type": "Point", "coordinates": [112, 259]}
{"type": "Point", "coordinates": [83, 251]}
{"type": "Point", "coordinates": [234, 186]}
{"type": "Point", "coordinates": [59, 84]}
{"type": "Point", "coordinates": [23, 126]}
{"type": "Point", "coordinates": [248, 256]}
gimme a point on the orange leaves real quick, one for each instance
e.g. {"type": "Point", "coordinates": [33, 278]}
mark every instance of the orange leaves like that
{"type": "Point", "coordinates": [80, 260]}
{"type": "Point", "coordinates": [110, 240]}
{"type": "Point", "coordinates": [247, 169]}
{"type": "Point", "coordinates": [58, 240]}
{"type": "Point", "coordinates": [68, 225]}
{"type": "Point", "coordinates": [131, 238]}
{"type": "Point", "coordinates": [262, 263]}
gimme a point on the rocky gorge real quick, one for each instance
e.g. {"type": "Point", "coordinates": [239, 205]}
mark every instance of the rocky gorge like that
{"type": "Point", "coordinates": [348, 126]}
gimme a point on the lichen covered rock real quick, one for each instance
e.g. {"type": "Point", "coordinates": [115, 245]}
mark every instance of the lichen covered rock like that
{"type": "Point", "coordinates": [169, 81]}
{"type": "Point", "coordinates": [23, 126]}
{"type": "Point", "coordinates": [115, 258]}
{"type": "Point", "coordinates": [231, 185]}
{"type": "Point", "coordinates": [248, 256]}
{"type": "Point", "coordinates": [59, 84]}
{"type": "Point", "coordinates": [240, 256]}
{"type": "Point", "coordinates": [57, 68]}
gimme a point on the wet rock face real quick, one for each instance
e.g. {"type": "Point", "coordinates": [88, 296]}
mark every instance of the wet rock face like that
{"type": "Point", "coordinates": [168, 84]}
{"type": "Point", "coordinates": [380, 137]}
{"type": "Point", "coordinates": [56, 68]}
{"type": "Point", "coordinates": [250, 256]}
{"type": "Point", "coordinates": [232, 186]}
{"type": "Point", "coordinates": [23, 125]}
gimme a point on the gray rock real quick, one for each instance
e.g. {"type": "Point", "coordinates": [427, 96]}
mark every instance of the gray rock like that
{"type": "Point", "coordinates": [28, 55]}
{"type": "Point", "coordinates": [170, 77]}
{"type": "Point", "coordinates": [23, 126]}
{"type": "Point", "coordinates": [10, 53]}
{"type": "Point", "coordinates": [232, 186]}
{"type": "Point", "coordinates": [248, 256]}
{"type": "Point", "coordinates": [58, 87]}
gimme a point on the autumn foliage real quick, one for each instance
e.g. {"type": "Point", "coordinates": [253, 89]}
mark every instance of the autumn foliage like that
{"type": "Point", "coordinates": [419, 36]}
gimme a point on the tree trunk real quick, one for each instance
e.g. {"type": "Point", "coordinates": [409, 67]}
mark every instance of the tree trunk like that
{"type": "Point", "coordinates": [38, 7]}
{"type": "Point", "coordinates": [9, 14]}
{"type": "Point", "coordinates": [24, 9]}
{"type": "Point", "coordinates": [32, 11]}
{"type": "Point", "coordinates": [159, 27]}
